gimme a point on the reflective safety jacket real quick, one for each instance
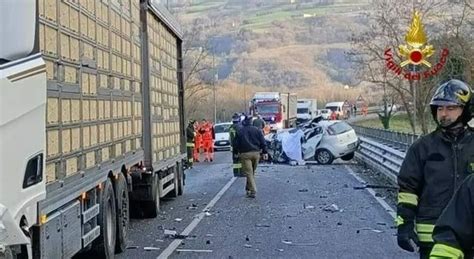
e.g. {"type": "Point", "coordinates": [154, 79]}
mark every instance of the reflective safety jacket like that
{"type": "Point", "coordinates": [207, 132]}
{"type": "Point", "coordinates": [432, 170]}
{"type": "Point", "coordinates": [454, 231]}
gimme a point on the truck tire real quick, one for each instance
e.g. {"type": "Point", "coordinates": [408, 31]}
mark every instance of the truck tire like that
{"type": "Point", "coordinates": [150, 208]}
{"type": "Point", "coordinates": [324, 157]}
{"type": "Point", "coordinates": [180, 179]}
{"type": "Point", "coordinates": [123, 210]}
{"type": "Point", "coordinates": [104, 245]}
{"type": "Point", "coordinates": [179, 182]}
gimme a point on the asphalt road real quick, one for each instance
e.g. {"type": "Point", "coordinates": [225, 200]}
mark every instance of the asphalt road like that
{"type": "Point", "coordinates": [309, 211]}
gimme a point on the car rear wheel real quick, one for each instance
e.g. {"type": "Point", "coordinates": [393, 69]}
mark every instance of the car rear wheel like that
{"type": "Point", "coordinates": [324, 157]}
{"type": "Point", "coordinates": [348, 156]}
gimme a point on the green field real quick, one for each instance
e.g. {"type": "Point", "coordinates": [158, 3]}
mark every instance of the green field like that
{"type": "Point", "coordinates": [204, 6]}
{"type": "Point", "coordinates": [262, 18]}
{"type": "Point", "coordinates": [397, 123]}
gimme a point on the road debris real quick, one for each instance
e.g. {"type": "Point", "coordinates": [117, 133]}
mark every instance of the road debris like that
{"type": "Point", "coordinates": [170, 233]}
{"type": "Point", "coordinates": [178, 219]}
{"type": "Point", "coordinates": [248, 246]}
{"type": "Point", "coordinates": [132, 247]}
{"type": "Point", "coordinates": [375, 186]}
{"type": "Point", "coordinates": [303, 190]}
{"type": "Point", "coordinates": [331, 208]}
{"type": "Point", "coordinates": [151, 248]}
{"type": "Point", "coordinates": [262, 225]}
{"type": "Point", "coordinates": [208, 214]}
{"type": "Point", "coordinates": [194, 250]}
{"type": "Point", "coordinates": [287, 242]}
{"type": "Point", "coordinates": [372, 229]}
{"type": "Point", "coordinates": [174, 234]}
{"type": "Point", "coordinates": [192, 207]}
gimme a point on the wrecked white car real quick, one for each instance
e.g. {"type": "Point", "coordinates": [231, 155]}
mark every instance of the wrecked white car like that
{"type": "Point", "coordinates": [318, 140]}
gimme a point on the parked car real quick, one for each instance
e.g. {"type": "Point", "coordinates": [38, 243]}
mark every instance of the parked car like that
{"type": "Point", "coordinates": [222, 139]}
{"type": "Point", "coordinates": [325, 113]}
{"type": "Point", "coordinates": [320, 140]}
{"type": "Point", "coordinates": [394, 108]}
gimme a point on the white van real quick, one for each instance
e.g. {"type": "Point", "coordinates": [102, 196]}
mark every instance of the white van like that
{"type": "Point", "coordinates": [336, 107]}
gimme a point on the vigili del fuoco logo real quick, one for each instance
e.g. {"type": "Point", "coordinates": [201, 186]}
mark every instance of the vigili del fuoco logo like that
{"type": "Point", "coordinates": [415, 54]}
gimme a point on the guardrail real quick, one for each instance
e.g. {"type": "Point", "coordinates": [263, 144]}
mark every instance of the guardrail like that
{"type": "Point", "coordinates": [397, 140]}
{"type": "Point", "coordinates": [380, 157]}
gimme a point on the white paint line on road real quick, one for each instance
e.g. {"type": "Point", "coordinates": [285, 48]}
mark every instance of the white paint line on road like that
{"type": "Point", "coordinates": [175, 244]}
{"type": "Point", "coordinates": [372, 192]}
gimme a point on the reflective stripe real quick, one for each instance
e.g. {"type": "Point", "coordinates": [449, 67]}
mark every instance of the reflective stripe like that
{"type": "Point", "coordinates": [445, 251]}
{"type": "Point", "coordinates": [399, 221]}
{"type": "Point", "coordinates": [408, 198]}
{"type": "Point", "coordinates": [423, 237]}
{"type": "Point", "coordinates": [237, 166]}
{"type": "Point", "coordinates": [425, 228]}
{"type": "Point", "coordinates": [190, 144]}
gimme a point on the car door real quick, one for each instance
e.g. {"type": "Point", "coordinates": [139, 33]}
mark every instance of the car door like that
{"type": "Point", "coordinates": [311, 141]}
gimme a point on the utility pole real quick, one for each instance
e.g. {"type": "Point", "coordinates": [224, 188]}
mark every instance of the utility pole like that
{"type": "Point", "coordinates": [215, 77]}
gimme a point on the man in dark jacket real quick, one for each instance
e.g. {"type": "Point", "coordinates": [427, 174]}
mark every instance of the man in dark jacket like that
{"type": "Point", "coordinates": [248, 144]}
{"type": "Point", "coordinates": [190, 141]}
{"type": "Point", "coordinates": [434, 167]}
{"type": "Point", "coordinates": [454, 230]}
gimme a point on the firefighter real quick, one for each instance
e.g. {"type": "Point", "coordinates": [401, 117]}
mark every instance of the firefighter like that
{"type": "Point", "coordinates": [434, 166]}
{"type": "Point", "coordinates": [249, 143]}
{"type": "Point", "coordinates": [333, 116]}
{"type": "Point", "coordinates": [190, 142]}
{"type": "Point", "coordinates": [454, 230]}
{"type": "Point", "coordinates": [207, 132]}
{"type": "Point", "coordinates": [234, 128]}
{"type": "Point", "coordinates": [197, 141]}
{"type": "Point", "coordinates": [258, 122]}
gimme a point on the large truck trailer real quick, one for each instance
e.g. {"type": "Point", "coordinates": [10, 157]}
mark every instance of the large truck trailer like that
{"type": "Point", "coordinates": [91, 122]}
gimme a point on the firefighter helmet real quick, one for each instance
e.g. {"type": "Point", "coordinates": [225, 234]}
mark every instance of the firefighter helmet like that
{"type": "Point", "coordinates": [453, 92]}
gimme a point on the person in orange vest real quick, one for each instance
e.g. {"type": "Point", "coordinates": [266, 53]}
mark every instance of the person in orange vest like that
{"type": "Point", "coordinates": [207, 131]}
{"type": "Point", "coordinates": [197, 142]}
{"type": "Point", "coordinates": [364, 110]}
{"type": "Point", "coordinates": [333, 116]}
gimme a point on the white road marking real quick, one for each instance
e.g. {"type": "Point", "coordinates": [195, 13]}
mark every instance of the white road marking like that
{"type": "Point", "coordinates": [372, 192]}
{"type": "Point", "coordinates": [175, 244]}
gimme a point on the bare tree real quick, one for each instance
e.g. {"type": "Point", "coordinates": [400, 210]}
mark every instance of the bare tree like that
{"type": "Point", "coordinates": [387, 27]}
{"type": "Point", "coordinates": [196, 62]}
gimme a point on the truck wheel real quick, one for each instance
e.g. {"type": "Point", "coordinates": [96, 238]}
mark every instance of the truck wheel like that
{"type": "Point", "coordinates": [180, 179]}
{"type": "Point", "coordinates": [104, 245]}
{"type": "Point", "coordinates": [324, 157]}
{"type": "Point", "coordinates": [150, 208]}
{"type": "Point", "coordinates": [123, 209]}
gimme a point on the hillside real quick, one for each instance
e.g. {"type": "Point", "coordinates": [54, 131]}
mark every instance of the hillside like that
{"type": "Point", "coordinates": [278, 43]}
